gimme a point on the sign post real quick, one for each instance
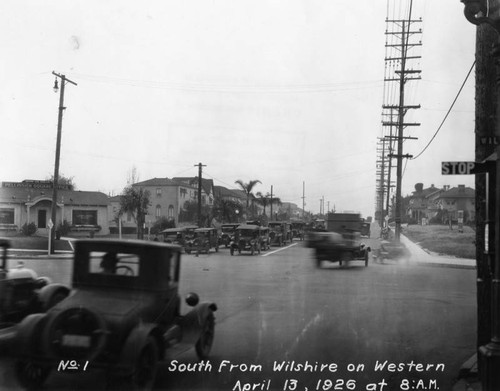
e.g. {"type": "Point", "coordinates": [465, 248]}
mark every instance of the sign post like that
{"type": "Point", "coordinates": [50, 225]}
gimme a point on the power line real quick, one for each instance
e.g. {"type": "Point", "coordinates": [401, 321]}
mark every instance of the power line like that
{"type": "Point", "coordinates": [449, 110]}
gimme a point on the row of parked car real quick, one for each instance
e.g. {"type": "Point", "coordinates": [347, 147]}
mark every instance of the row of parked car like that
{"type": "Point", "coordinates": [238, 237]}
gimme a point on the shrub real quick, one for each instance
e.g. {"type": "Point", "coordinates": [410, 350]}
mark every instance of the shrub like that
{"type": "Point", "coordinates": [29, 229]}
{"type": "Point", "coordinates": [63, 229]}
{"type": "Point", "coordinates": [161, 224]}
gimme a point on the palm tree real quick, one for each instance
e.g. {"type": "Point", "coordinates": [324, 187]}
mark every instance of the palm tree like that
{"type": "Point", "coordinates": [225, 210]}
{"type": "Point", "coordinates": [247, 188]}
{"type": "Point", "coordinates": [266, 200]}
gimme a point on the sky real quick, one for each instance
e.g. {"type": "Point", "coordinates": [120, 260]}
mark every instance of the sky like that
{"type": "Point", "coordinates": [284, 91]}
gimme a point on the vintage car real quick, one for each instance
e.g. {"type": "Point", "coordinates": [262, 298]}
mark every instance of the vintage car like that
{"type": "Point", "coordinates": [22, 292]}
{"type": "Point", "coordinates": [265, 239]}
{"type": "Point", "coordinates": [365, 229]}
{"type": "Point", "coordinates": [246, 238]}
{"type": "Point", "coordinates": [339, 247]}
{"type": "Point", "coordinates": [178, 235]}
{"type": "Point", "coordinates": [298, 231]}
{"type": "Point", "coordinates": [280, 232]}
{"type": "Point", "coordinates": [227, 234]}
{"type": "Point", "coordinates": [122, 316]}
{"type": "Point", "coordinates": [203, 240]}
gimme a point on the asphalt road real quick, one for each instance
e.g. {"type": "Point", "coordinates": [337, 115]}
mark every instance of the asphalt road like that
{"type": "Point", "coordinates": [332, 328]}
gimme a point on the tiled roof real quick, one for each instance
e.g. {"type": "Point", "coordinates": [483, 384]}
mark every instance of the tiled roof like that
{"type": "Point", "coordinates": [455, 192]}
{"type": "Point", "coordinates": [160, 182]}
{"type": "Point", "coordinates": [221, 191]}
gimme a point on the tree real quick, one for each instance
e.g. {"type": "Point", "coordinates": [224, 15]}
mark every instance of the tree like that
{"type": "Point", "coordinates": [136, 200]}
{"type": "Point", "coordinates": [266, 200]}
{"type": "Point", "coordinates": [63, 181]}
{"type": "Point", "coordinates": [247, 188]}
{"type": "Point", "coordinates": [225, 210]}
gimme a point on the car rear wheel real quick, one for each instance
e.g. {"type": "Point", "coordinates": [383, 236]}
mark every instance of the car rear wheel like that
{"type": "Point", "coordinates": [204, 344]}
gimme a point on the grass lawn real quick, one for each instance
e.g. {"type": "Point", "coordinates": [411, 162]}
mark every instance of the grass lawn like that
{"type": "Point", "coordinates": [441, 240]}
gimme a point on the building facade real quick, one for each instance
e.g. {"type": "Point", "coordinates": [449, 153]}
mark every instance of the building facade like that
{"type": "Point", "coordinates": [30, 201]}
{"type": "Point", "coordinates": [168, 197]}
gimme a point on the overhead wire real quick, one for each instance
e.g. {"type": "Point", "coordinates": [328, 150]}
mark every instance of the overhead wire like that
{"type": "Point", "coordinates": [448, 112]}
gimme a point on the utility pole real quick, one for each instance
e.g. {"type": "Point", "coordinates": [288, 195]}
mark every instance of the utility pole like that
{"type": "Point", "coordinates": [303, 198]}
{"type": "Point", "coordinates": [200, 166]}
{"type": "Point", "coordinates": [55, 184]}
{"type": "Point", "coordinates": [488, 127]}
{"type": "Point", "coordinates": [403, 75]}
{"type": "Point", "coordinates": [271, 203]}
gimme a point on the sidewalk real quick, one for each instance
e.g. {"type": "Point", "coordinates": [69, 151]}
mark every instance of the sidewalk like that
{"type": "Point", "coordinates": [468, 375]}
{"type": "Point", "coordinates": [423, 257]}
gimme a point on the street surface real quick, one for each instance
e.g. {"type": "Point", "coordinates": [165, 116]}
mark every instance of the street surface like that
{"type": "Point", "coordinates": [391, 326]}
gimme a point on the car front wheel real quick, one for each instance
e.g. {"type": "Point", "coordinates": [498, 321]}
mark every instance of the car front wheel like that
{"type": "Point", "coordinates": [204, 344]}
{"type": "Point", "coordinates": [144, 372]}
{"type": "Point", "coordinates": [31, 375]}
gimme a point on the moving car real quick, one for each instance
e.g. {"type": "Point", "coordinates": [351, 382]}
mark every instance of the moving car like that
{"type": "Point", "coordinates": [22, 292]}
{"type": "Point", "coordinates": [339, 247]}
{"type": "Point", "coordinates": [122, 316]}
{"type": "Point", "coordinates": [246, 238]}
{"type": "Point", "coordinates": [203, 240]}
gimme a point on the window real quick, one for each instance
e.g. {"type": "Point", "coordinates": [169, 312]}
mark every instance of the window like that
{"type": "Point", "coordinates": [84, 217]}
{"type": "Point", "coordinates": [170, 211]}
{"type": "Point", "coordinates": [158, 191]}
{"type": "Point", "coordinates": [183, 192]}
{"type": "Point", "coordinates": [158, 211]}
{"type": "Point", "coordinates": [6, 216]}
{"type": "Point", "coordinates": [122, 264]}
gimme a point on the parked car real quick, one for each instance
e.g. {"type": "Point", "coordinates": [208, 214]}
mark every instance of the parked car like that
{"type": "Point", "coordinates": [179, 235]}
{"type": "Point", "coordinates": [203, 240]}
{"type": "Point", "coordinates": [265, 239]}
{"type": "Point", "coordinates": [122, 316]}
{"type": "Point", "coordinates": [227, 234]}
{"type": "Point", "coordinates": [246, 238]}
{"type": "Point", "coordinates": [280, 232]}
{"type": "Point", "coordinates": [22, 292]}
{"type": "Point", "coordinates": [297, 228]}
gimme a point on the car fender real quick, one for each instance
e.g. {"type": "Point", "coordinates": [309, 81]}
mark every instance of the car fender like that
{"type": "Point", "coordinates": [47, 293]}
{"type": "Point", "coordinates": [135, 341]}
{"type": "Point", "coordinates": [192, 323]}
{"type": "Point", "coordinates": [27, 335]}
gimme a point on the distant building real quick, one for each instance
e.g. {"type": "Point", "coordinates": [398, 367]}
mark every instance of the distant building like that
{"type": "Point", "coordinates": [456, 199]}
{"type": "Point", "coordinates": [207, 188]}
{"type": "Point", "coordinates": [442, 204]}
{"type": "Point", "coordinates": [30, 201]}
{"type": "Point", "coordinates": [168, 197]}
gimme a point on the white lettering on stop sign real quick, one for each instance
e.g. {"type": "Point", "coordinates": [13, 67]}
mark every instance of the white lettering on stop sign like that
{"type": "Point", "coordinates": [457, 168]}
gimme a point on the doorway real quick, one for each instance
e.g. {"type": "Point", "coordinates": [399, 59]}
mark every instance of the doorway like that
{"type": "Point", "coordinates": [42, 218]}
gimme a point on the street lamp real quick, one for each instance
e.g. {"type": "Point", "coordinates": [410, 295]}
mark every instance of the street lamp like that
{"type": "Point", "coordinates": [479, 12]}
{"type": "Point", "coordinates": [52, 222]}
